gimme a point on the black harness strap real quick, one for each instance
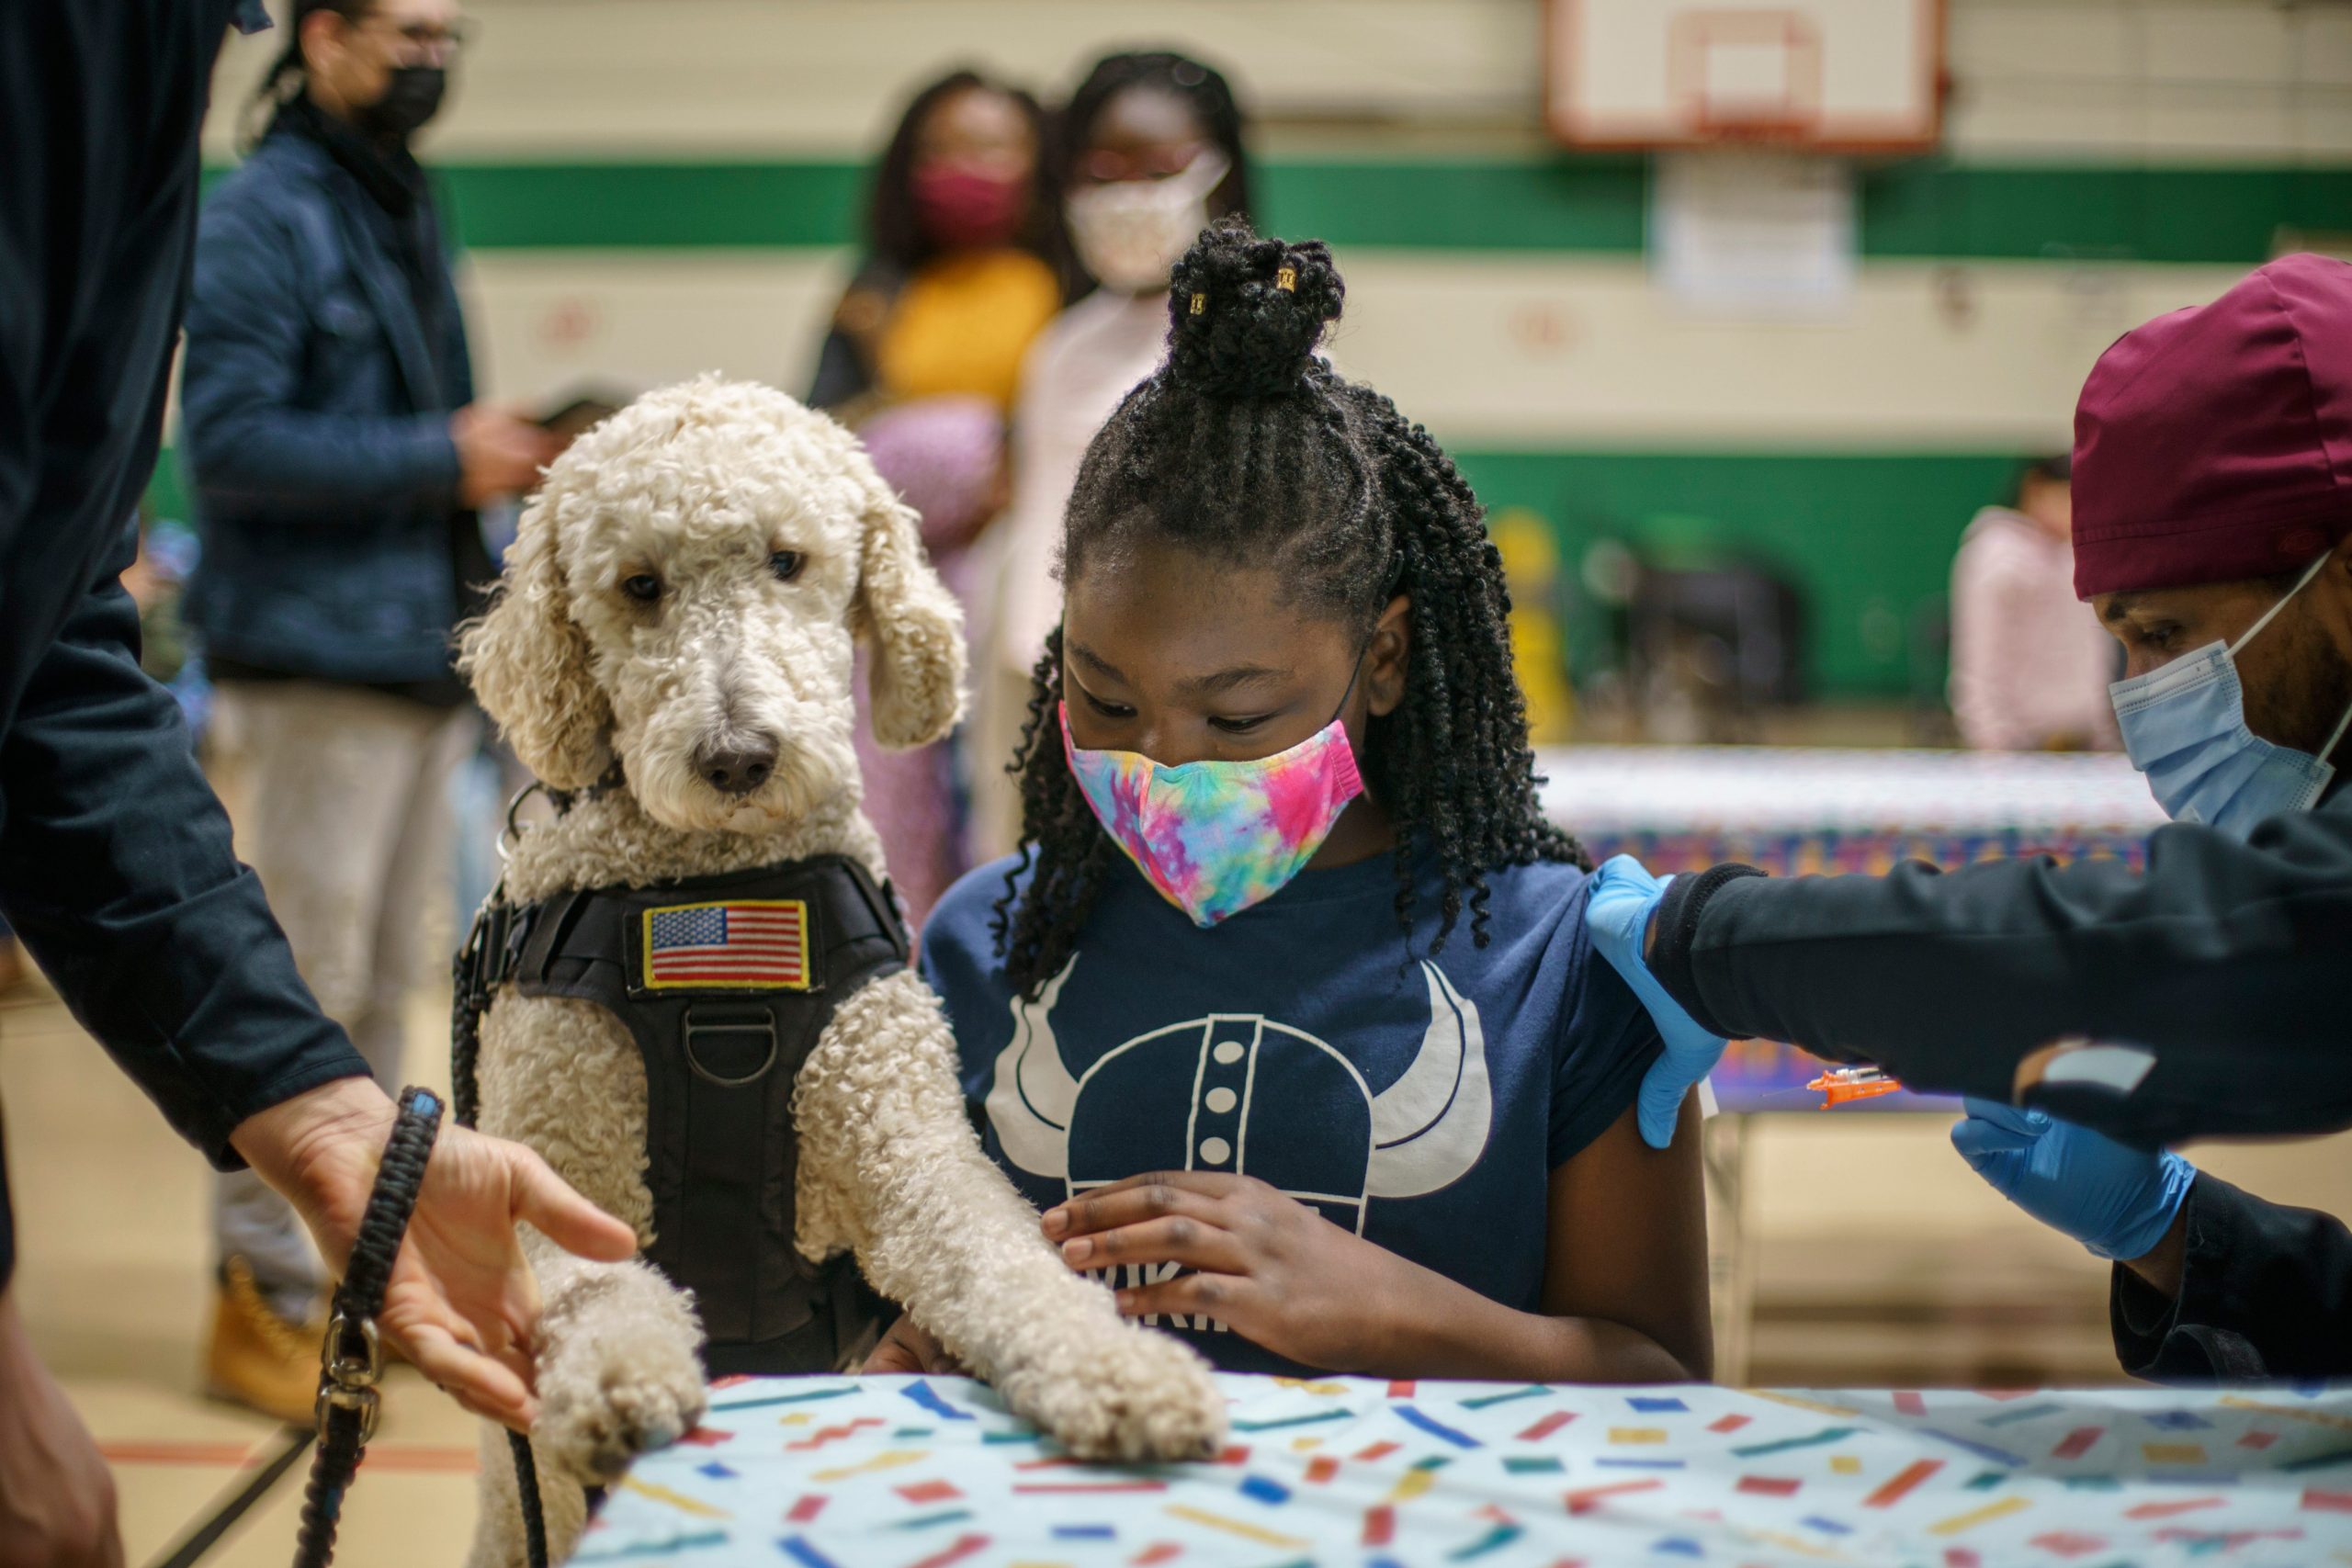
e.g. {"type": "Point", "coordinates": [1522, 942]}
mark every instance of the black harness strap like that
{"type": "Point", "coordinates": [722, 1032]}
{"type": "Point", "coordinates": [724, 983]}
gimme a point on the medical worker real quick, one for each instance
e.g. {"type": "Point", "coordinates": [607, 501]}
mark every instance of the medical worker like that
{"type": "Point", "coordinates": [2204, 995]}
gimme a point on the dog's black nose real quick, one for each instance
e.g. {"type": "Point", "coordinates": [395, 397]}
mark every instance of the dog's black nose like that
{"type": "Point", "coordinates": [738, 766]}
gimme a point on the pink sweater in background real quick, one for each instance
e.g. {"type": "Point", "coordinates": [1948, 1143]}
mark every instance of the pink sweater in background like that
{"type": "Point", "coordinates": [2029, 663]}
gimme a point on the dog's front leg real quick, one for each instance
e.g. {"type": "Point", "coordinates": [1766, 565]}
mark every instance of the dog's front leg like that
{"type": "Point", "coordinates": [617, 1377]}
{"type": "Point", "coordinates": [890, 1167]}
{"type": "Point", "coordinates": [617, 1368]}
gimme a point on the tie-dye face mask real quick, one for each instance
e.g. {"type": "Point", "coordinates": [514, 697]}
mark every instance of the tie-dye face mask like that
{"type": "Point", "coordinates": [1215, 837]}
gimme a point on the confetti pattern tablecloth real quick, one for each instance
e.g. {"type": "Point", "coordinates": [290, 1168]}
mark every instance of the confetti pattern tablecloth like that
{"type": "Point", "coordinates": [904, 1473]}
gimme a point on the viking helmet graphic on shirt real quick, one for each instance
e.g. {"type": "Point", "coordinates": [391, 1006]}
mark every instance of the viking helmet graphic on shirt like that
{"type": "Point", "coordinates": [1246, 1073]}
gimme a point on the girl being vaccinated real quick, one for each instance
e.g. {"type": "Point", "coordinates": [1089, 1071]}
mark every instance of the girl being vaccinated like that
{"type": "Point", "coordinates": [1286, 1015]}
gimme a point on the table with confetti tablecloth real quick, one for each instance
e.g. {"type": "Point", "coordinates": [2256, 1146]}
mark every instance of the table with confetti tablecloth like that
{"type": "Point", "coordinates": [915, 1472]}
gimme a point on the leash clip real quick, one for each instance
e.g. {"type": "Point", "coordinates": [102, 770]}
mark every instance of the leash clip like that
{"type": "Point", "coordinates": [347, 1382]}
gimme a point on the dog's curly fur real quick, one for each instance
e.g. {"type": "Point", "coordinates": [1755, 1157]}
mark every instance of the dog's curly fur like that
{"type": "Point", "coordinates": [700, 486]}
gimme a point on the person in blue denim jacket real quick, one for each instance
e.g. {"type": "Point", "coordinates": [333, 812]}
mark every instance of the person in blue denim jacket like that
{"type": "Point", "coordinates": [336, 457]}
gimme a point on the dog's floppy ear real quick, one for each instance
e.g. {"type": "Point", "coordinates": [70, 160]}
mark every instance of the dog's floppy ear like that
{"type": "Point", "coordinates": [916, 682]}
{"type": "Point", "coordinates": [528, 662]}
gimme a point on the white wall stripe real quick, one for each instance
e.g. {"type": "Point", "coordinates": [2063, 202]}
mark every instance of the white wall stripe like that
{"type": "Point", "coordinates": [1492, 352]}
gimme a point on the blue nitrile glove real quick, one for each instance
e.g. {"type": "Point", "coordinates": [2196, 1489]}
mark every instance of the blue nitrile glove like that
{"type": "Point", "coordinates": [2115, 1200]}
{"type": "Point", "coordinates": [1624, 896]}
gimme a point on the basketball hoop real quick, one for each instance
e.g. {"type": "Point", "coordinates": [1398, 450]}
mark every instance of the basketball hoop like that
{"type": "Point", "coordinates": [1745, 76]}
{"type": "Point", "coordinates": [1838, 76]}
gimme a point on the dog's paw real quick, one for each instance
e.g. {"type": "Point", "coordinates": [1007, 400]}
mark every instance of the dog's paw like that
{"type": "Point", "coordinates": [1131, 1394]}
{"type": "Point", "coordinates": [643, 1397]}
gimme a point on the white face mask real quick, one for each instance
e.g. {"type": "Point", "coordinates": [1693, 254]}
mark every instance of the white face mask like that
{"type": "Point", "coordinates": [1130, 234]}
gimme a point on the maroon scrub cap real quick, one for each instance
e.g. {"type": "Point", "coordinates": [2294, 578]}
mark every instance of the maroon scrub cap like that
{"type": "Point", "coordinates": [2215, 444]}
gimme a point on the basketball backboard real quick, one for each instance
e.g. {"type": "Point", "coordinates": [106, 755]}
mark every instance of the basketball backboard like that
{"type": "Point", "coordinates": [1831, 75]}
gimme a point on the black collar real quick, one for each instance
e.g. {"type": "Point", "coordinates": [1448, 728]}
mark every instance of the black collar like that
{"type": "Point", "coordinates": [385, 170]}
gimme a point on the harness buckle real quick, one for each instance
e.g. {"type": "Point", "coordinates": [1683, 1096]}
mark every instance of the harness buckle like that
{"type": "Point", "coordinates": [492, 949]}
{"type": "Point", "coordinates": [757, 1022]}
{"type": "Point", "coordinates": [499, 948]}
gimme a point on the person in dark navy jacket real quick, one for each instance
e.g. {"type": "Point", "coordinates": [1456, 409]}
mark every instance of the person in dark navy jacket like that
{"type": "Point", "coordinates": [115, 862]}
{"type": "Point", "coordinates": [2093, 1011]}
{"type": "Point", "coordinates": [336, 454]}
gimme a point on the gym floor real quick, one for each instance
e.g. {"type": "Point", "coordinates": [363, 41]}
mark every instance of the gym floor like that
{"type": "Point", "coordinates": [1880, 1262]}
{"type": "Point", "coordinates": [114, 1279]}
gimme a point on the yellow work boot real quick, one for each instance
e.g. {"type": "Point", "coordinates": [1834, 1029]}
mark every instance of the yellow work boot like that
{"type": "Point", "coordinates": [256, 1359]}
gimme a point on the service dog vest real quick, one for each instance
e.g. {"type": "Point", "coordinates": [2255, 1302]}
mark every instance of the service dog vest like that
{"type": "Point", "coordinates": [726, 983]}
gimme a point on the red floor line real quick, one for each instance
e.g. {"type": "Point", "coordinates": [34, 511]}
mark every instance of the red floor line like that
{"type": "Point", "coordinates": [218, 1455]}
{"type": "Point", "coordinates": [437, 1462]}
{"type": "Point", "coordinates": [167, 1450]}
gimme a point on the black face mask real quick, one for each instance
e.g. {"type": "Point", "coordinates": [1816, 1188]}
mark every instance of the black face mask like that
{"type": "Point", "coordinates": [411, 98]}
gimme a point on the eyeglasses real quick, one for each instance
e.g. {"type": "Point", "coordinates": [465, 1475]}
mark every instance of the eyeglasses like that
{"type": "Point", "coordinates": [425, 43]}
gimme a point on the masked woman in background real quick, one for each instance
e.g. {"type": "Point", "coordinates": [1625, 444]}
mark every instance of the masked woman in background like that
{"type": "Point", "coordinates": [1146, 153]}
{"type": "Point", "coordinates": [923, 361]}
{"type": "Point", "coordinates": [956, 278]}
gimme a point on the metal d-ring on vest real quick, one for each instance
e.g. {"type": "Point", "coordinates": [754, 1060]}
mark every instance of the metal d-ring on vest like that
{"type": "Point", "coordinates": [720, 1063]}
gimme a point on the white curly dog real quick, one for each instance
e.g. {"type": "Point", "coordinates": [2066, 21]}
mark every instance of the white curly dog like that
{"type": "Point", "coordinates": [688, 585]}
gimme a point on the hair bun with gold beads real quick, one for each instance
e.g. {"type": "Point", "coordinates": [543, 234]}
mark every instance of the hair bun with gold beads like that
{"type": "Point", "coordinates": [1246, 312]}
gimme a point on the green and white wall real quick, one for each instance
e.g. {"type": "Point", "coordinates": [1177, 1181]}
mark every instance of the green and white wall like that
{"type": "Point", "coordinates": [654, 188]}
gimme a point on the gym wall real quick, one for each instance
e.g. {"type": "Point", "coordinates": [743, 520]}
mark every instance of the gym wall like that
{"type": "Point", "coordinates": [654, 188]}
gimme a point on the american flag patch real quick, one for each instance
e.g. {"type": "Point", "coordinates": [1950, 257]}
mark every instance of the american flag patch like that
{"type": "Point", "coordinates": [758, 944]}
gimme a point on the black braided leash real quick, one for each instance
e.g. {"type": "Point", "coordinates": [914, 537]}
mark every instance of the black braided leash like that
{"type": "Point", "coordinates": [480, 965]}
{"type": "Point", "coordinates": [351, 1362]}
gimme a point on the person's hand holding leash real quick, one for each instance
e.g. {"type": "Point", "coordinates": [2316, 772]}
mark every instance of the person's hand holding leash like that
{"type": "Point", "coordinates": [462, 1304]}
{"type": "Point", "coordinates": [1624, 896]}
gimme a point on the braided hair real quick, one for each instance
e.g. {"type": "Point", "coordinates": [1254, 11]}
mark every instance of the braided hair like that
{"type": "Point", "coordinates": [1245, 447]}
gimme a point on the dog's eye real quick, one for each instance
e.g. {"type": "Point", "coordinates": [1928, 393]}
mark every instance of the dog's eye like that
{"type": "Point", "coordinates": [786, 564]}
{"type": "Point", "coordinates": [644, 587]}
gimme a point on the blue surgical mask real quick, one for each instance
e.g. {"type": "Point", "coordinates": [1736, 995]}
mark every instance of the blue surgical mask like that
{"type": "Point", "coordinates": [2183, 725]}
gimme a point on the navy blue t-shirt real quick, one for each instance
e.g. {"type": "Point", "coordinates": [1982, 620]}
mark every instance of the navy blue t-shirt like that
{"type": "Point", "coordinates": [1422, 1103]}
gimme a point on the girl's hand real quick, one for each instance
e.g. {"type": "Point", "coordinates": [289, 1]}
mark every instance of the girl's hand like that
{"type": "Point", "coordinates": [1271, 1269]}
{"type": "Point", "coordinates": [908, 1348]}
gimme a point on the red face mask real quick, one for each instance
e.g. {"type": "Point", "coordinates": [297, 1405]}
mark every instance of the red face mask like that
{"type": "Point", "coordinates": [963, 208]}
